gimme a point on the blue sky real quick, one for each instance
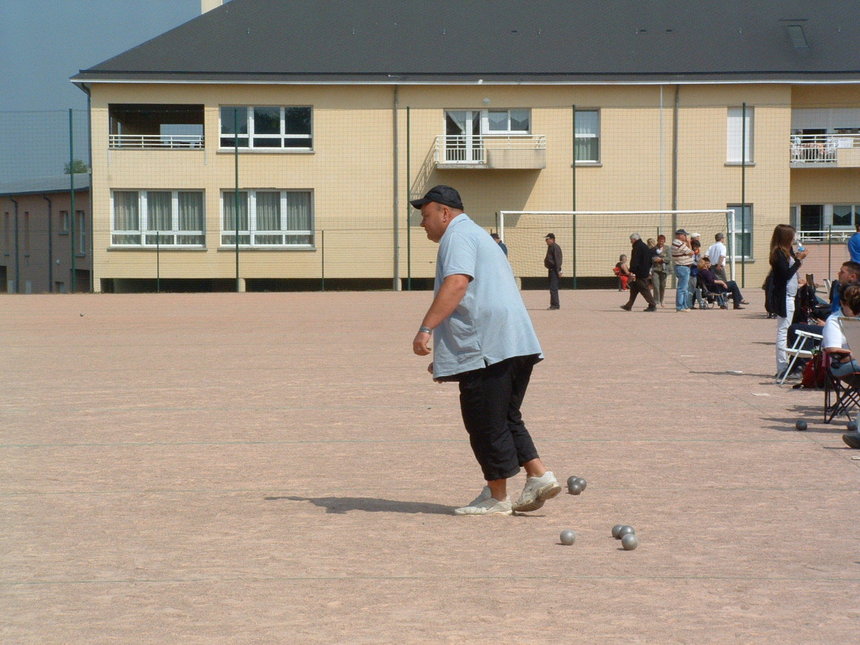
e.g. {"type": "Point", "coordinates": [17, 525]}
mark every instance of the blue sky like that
{"type": "Point", "coordinates": [44, 42]}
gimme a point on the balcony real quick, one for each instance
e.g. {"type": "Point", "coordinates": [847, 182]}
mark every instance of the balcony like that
{"type": "Point", "coordinates": [500, 152]}
{"type": "Point", "coordinates": [141, 126]}
{"type": "Point", "coordinates": [825, 151]}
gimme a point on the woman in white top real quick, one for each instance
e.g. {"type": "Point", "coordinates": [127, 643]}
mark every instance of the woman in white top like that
{"type": "Point", "coordinates": [833, 340]}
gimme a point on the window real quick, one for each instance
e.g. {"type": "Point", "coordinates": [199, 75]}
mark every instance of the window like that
{"type": "Point", "coordinates": [26, 232]}
{"type": "Point", "coordinates": [81, 230]}
{"type": "Point", "coordinates": [64, 222]}
{"type": "Point", "coordinates": [507, 121]}
{"type": "Point", "coordinates": [739, 134]}
{"type": "Point", "coordinates": [6, 232]}
{"type": "Point", "coordinates": [158, 218]}
{"type": "Point", "coordinates": [817, 220]}
{"type": "Point", "coordinates": [266, 128]}
{"type": "Point", "coordinates": [742, 225]}
{"type": "Point", "coordinates": [587, 136]}
{"type": "Point", "coordinates": [268, 218]}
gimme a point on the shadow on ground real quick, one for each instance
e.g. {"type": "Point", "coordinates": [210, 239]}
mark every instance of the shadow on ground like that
{"type": "Point", "coordinates": [368, 504]}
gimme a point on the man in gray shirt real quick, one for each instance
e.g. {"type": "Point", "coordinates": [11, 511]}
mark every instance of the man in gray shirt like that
{"type": "Point", "coordinates": [484, 340]}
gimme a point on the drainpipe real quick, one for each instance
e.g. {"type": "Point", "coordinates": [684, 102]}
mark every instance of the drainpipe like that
{"type": "Point", "coordinates": [17, 251]}
{"type": "Point", "coordinates": [50, 244]}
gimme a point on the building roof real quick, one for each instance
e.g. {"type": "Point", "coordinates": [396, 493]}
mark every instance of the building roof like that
{"type": "Point", "coordinates": [501, 41]}
{"type": "Point", "coordinates": [45, 185]}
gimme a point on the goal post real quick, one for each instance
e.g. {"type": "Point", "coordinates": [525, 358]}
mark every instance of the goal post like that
{"type": "Point", "coordinates": [592, 241]}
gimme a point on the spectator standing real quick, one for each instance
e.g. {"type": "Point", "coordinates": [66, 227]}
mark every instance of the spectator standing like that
{"type": "Point", "coordinates": [485, 341]}
{"type": "Point", "coordinates": [682, 257]}
{"type": "Point", "coordinates": [659, 261]}
{"type": "Point", "coordinates": [717, 254]}
{"type": "Point", "coordinates": [640, 268]}
{"type": "Point", "coordinates": [501, 244]}
{"type": "Point", "coordinates": [854, 244]}
{"type": "Point", "coordinates": [552, 262]}
{"type": "Point", "coordinates": [784, 263]}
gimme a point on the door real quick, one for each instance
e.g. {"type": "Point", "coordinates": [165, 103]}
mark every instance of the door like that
{"type": "Point", "coordinates": [463, 137]}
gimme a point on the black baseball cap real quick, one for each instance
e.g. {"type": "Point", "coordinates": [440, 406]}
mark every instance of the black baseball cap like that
{"type": "Point", "coordinates": [441, 194]}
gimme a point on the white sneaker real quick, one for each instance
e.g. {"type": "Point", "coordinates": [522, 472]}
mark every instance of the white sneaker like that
{"type": "Point", "coordinates": [486, 506]}
{"type": "Point", "coordinates": [536, 491]}
{"type": "Point", "coordinates": [486, 493]}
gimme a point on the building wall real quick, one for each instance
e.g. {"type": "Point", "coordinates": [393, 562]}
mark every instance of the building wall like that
{"type": "Point", "coordinates": [358, 196]}
{"type": "Point", "coordinates": [44, 259]}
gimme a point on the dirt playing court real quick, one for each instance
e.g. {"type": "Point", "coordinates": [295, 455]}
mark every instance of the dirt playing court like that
{"type": "Point", "coordinates": [279, 468]}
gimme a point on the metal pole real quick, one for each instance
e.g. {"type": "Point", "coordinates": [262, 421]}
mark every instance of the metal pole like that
{"type": "Point", "coordinates": [72, 199]}
{"type": "Point", "coordinates": [743, 192]}
{"type": "Point", "coordinates": [236, 186]}
{"type": "Point", "coordinates": [17, 251]}
{"type": "Point", "coordinates": [573, 200]}
{"type": "Point", "coordinates": [158, 262]}
{"type": "Point", "coordinates": [408, 205]}
{"type": "Point", "coordinates": [322, 260]}
{"type": "Point", "coordinates": [830, 249]}
{"type": "Point", "coordinates": [395, 192]}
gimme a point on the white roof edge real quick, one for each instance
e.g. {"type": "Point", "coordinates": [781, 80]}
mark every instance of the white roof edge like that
{"type": "Point", "coordinates": [187, 81]}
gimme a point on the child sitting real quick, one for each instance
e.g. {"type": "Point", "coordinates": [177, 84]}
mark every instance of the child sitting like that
{"type": "Point", "coordinates": [622, 270]}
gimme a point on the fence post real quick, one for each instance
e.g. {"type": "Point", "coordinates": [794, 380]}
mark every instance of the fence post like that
{"type": "Point", "coordinates": [322, 260]}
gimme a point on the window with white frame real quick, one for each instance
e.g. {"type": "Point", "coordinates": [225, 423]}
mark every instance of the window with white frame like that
{"type": "Point", "coordinates": [150, 218]}
{"type": "Point", "coordinates": [818, 221]}
{"type": "Point", "coordinates": [741, 224]}
{"type": "Point", "coordinates": [64, 222]}
{"type": "Point", "coordinates": [267, 218]}
{"type": "Point", "coordinates": [587, 136]}
{"type": "Point", "coordinates": [266, 127]}
{"type": "Point", "coordinates": [740, 135]}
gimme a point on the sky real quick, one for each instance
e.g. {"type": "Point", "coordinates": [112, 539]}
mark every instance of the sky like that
{"type": "Point", "coordinates": [45, 42]}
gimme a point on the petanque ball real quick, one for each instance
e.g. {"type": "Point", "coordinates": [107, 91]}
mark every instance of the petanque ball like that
{"type": "Point", "coordinates": [852, 426]}
{"type": "Point", "coordinates": [800, 424]}
{"type": "Point", "coordinates": [625, 530]}
{"type": "Point", "coordinates": [582, 483]}
{"type": "Point", "coordinates": [629, 542]}
{"type": "Point", "coordinates": [567, 537]}
{"type": "Point", "coordinates": [615, 530]}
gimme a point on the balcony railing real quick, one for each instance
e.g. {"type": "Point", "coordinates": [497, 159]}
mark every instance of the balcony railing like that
{"type": "Point", "coordinates": [156, 141]}
{"type": "Point", "coordinates": [513, 151]}
{"type": "Point", "coordinates": [817, 150]}
{"type": "Point", "coordinates": [838, 236]}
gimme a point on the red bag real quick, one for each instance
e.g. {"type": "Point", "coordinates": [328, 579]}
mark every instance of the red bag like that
{"type": "Point", "coordinates": [814, 372]}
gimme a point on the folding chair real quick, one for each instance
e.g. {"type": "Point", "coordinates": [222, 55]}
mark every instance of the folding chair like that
{"type": "Point", "coordinates": [841, 395]}
{"type": "Point", "coordinates": [708, 297]}
{"type": "Point", "coordinates": [803, 347]}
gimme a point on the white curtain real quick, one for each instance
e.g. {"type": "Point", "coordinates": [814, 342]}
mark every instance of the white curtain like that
{"type": "Point", "coordinates": [126, 211]}
{"type": "Point", "coordinates": [190, 211]}
{"type": "Point", "coordinates": [268, 211]}
{"type": "Point", "coordinates": [228, 199]}
{"type": "Point", "coordinates": [299, 211]}
{"type": "Point", "coordinates": [158, 211]}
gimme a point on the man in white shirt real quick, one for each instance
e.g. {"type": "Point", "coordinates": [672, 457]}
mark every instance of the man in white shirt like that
{"type": "Point", "coordinates": [717, 254]}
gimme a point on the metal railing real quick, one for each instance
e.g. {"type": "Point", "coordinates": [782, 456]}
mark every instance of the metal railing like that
{"type": "Point", "coordinates": [472, 149]}
{"type": "Point", "coordinates": [820, 148]}
{"type": "Point", "coordinates": [829, 235]}
{"type": "Point", "coordinates": [156, 141]}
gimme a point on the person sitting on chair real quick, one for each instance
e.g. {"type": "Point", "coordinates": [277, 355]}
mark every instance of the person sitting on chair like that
{"type": "Point", "coordinates": [622, 270]}
{"type": "Point", "coordinates": [842, 361]}
{"type": "Point", "coordinates": [715, 284]}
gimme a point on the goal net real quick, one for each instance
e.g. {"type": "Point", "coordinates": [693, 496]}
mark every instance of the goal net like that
{"type": "Point", "coordinates": [592, 241]}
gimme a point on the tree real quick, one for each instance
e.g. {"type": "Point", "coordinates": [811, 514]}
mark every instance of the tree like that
{"type": "Point", "coordinates": [77, 167]}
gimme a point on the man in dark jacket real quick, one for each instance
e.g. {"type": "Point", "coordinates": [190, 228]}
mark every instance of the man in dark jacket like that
{"type": "Point", "coordinates": [640, 267]}
{"type": "Point", "coordinates": [552, 262]}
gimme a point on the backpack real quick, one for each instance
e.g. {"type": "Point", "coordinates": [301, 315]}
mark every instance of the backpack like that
{"type": "Point", "coordinates": [814, 373]}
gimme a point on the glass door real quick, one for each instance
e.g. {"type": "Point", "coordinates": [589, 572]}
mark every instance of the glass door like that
{"type": "Point", "coordinates": [463, 136]}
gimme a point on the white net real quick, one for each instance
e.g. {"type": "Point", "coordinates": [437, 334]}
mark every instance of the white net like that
{"type": "Point", "coordinates": [592, 241]}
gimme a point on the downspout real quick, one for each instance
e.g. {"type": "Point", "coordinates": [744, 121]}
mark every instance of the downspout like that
{"type": "Point", "coordinates": [50, 244]}
{"type": "Point", "coordinates": [396, 190]}
{"type": "Point", "coordinates": [17, 251]}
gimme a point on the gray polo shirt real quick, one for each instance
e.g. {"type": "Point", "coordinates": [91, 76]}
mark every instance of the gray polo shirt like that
{"type": "Point", "coordinates": [491, 323]}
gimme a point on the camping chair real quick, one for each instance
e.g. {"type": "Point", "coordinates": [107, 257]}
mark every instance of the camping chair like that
{"type": "Point", "coordinates": [804, 346]}
{"type": "Point", "coordinates": [710, 297]}
{"type": "Point", "coordinates": [841, 395]}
